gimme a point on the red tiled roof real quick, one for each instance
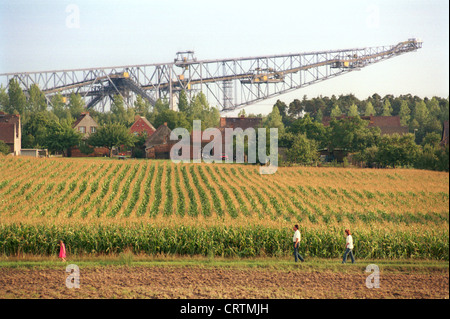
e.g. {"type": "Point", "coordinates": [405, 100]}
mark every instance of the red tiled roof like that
{"type": "Point", "coordinates": [146, 126]}
{"type": "Point", "coordinates": [9, 118]}
{"type": "Point", "coordinates": [387, 124]}
{"type": "Point", "coordinates": [242, 122]}
{"type": "Point", "coordinates": [160, 136]}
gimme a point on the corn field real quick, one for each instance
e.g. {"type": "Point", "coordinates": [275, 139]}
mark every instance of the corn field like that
{"type": "Point", "coordinates": [101, 206]}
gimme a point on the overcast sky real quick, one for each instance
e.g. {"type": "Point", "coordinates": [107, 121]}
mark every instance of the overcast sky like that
{"type": "Point", "coordinates": [52, 35]}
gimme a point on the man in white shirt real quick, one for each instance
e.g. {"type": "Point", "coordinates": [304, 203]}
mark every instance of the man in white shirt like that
{"type": "Point", "coordinates": [296, 240]}
{"type": "Point", "coordinates": [348, 247]}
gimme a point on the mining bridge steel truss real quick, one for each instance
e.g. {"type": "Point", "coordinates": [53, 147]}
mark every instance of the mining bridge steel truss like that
{"type": "Point", "coordinates": [229, 84]}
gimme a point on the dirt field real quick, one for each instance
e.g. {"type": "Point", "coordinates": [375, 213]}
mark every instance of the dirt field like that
{"type": "Point", "coordinates": [217, 282]}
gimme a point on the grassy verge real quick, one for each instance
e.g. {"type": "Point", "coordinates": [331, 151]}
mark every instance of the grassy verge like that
{"type": "Point", "coordinates": [266, 263]}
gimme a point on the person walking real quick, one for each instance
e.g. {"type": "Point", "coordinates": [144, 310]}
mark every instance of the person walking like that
{"type": "Point", "coordinates": [348, 247]}
{"type": "Point", "coordinates": [62, 251]}
{"type": "Point", "coordinates": [296, 239]}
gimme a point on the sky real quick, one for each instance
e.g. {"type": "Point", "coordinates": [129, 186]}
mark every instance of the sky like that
{"type": "Point", "coordinates": [53, 35]}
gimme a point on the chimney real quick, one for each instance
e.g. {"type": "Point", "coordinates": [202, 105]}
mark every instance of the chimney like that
{"type": "Point", "coordinates": [223, 121]}
{"type": "Point", "coordinates": [165, 123]}
{"type": "Point", "coordinates": [242, 116]}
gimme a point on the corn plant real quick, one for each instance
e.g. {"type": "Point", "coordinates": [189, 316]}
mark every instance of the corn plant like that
{"type": "Point", "coordinates": [124, 194]}
{"type": "Point", "coordinates": [168, 208]}
{"type": "Point", "coordinates": [158, 193]}
{"type": "Point", "coordinates": [204, 199]}
{"type": "Point", "coordinates": [142, 209]}
{"type": "Point", "coordinates": [135, 194]}
{"type": "Point", "coordinates": [193, 210]}
{"type": "Point", "coordinates": [215, 198]}
{"type": "Point", "coordinates": [181, 205]}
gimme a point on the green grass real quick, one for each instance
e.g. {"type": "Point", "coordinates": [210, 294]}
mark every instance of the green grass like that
{"type": "Point", "coordinates": [285, 263]}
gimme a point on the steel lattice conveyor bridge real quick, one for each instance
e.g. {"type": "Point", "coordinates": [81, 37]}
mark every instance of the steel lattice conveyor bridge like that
{"type": "Point", "coordinates": [228, 83]}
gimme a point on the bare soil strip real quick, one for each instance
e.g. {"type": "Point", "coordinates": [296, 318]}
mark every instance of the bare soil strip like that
{"type": "Point", "coordinates": [198, 282]}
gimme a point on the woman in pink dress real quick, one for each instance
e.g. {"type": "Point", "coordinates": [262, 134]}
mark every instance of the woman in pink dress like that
{"type": "Point", "coordinates": [62, 251]}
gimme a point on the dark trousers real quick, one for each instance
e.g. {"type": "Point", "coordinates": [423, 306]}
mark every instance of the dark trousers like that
{"type": "Point", "coordinates": [296, 254]}
{"type": "Point", "coordinates": [348, 251]}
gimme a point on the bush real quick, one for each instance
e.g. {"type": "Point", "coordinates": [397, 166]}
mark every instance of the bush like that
{"type": "Point", "coordinates": [4, 149]}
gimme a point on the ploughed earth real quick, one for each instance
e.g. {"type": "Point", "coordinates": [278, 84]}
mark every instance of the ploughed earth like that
{"type": "Point", "coordinates": [196, 282]}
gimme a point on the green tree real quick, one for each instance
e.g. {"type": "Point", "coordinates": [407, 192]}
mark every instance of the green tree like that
{"type": "Point", "coordinates": [387, 109]}
{"type": "Point", "coordinates": [61, 136]}
{"type": "Point", "coordinates": [274, 120]}
{"type": "Point", "coordinates": [377, 103]}
{"type": "Point", "coordinates": [120, 114]}
{"type": "Point", "coordinates": [369, 156]}
{"type": "Point", "coordinates": [141, 106]}
{"type": "Point", "coordinates": [404, 113]}
{"type": "Point", "coordinates": [199, 109]}
{"type": "Point", "coordinates": [139, 145]}
{"type": "Point", "coordinates": [111, 135]}
{"type": "Point", "coordinates": [398, 150]}
{"type": "Point", "coordinates": [4, 99]}
{"type": "Point", "coordinates": [35, 130]}
{"type": "Point", "coordinates": [36, 101]}
{"type": "Point", "coordinates": [4, 148]}
{"type": "Point", "coordinates": [183, 103]}
{"type": "Point", "coordinates": [161, 105]}
{"type": "Point", "coordinates": [432, 139]}
{"type": "Point", "coordinates": [285, 116]}
{"type": "Point", "coordinates": [76, 105]}
{"type": "Point", "coordinates": [433, 107]}
{"type": "Point", "coordinates": [319, 116]}
{"type": "Point", "coordinates": [303, 150]}
{"type": "Point", "coordinates": [353, 110]}
{"type": "Point", "coordinates": [17, 100]}
{"type": "Point", "coordinates": [335, 111]}
{"type": "Point", "coordinates": [352, 134]}
{"type": "Point", "coordinates": [59, 107]}
{"type": "Point", "coordinates": [421, 113]}
{"type": "Point", "coordinates": [296, 107]}
{"type": "Point", "coordinates": [370, 110]}
{"type": "Point", "coordinates": [313, 130]}
{"type": "Point", "coordinates": [242, 113]}
{"type": "Point", "coordinates": [173, 119]}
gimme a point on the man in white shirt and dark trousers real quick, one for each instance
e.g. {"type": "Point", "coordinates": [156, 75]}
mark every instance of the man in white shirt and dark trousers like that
{"type": "Point", "coordinates": [296, 239]}
{"type": "Point", "coordinates": [348, 247]}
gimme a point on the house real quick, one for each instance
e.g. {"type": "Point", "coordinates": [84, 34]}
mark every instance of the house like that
{"type": "Point", "coordinates": [85, 124]}
{"type": "Point", "coordinates": [11, 131]}
{"type": "Point", "coordinates": [242, 122]}
{"type": "Point", "coordinates": [388, 124]}
{"type": "Point", "coordinates": [444, 140]}
{"type": "Point", "coordinates": [142, 126]}
{"type": "Point", "coordinates": [158, 145]}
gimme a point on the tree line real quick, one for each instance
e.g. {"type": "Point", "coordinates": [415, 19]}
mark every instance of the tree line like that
{"type": "Point", "coordinates": [301, 131]}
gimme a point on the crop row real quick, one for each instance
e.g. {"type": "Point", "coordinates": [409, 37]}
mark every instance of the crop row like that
{"type": "Point", "coordinates": [218, 241]}
{"type": "Point", "coordinates": [117, 190]}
